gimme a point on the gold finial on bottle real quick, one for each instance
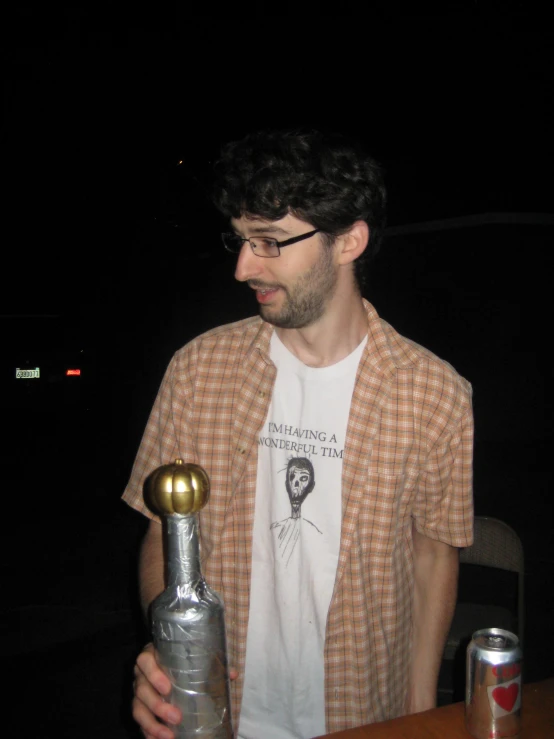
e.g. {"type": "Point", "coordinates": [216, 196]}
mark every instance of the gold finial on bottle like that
{"type": "Point", "coordinates": [177, 488]}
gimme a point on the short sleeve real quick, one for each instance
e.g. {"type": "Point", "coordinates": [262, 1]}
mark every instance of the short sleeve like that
{"type": "Point", "coordinates": [443, 507]}
{"type": "Point", "coordinates": [160, 442]}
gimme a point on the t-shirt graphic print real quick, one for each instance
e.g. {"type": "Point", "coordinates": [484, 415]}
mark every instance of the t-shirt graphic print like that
{"type": "Point", "coordinates": [299, 482]}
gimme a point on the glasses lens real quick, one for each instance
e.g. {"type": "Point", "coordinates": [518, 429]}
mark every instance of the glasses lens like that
{"type": "Point", "coordinates": [232, 242]}
{"type": "Point", "coordinates": [265, 247]}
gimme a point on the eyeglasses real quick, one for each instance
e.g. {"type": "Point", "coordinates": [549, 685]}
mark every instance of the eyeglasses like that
{"type": "Point", "coordinates": [261, 245]}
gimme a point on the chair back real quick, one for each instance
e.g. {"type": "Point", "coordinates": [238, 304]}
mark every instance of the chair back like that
{"type": "Point", "coordinates": [495, 545]}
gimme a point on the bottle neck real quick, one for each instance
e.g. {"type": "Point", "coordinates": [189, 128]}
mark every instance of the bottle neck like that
{"type": "Point", "coordinates": [183, 551]}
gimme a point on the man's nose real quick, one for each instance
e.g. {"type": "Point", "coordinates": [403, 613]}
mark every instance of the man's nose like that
{"type": "Point", "coordinates": [249, 266]}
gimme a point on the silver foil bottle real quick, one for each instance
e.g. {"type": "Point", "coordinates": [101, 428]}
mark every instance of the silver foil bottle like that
{"type": "Point", "coordinates": [188, 624]}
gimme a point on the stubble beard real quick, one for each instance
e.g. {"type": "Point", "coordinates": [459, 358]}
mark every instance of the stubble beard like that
{"type": "Point", "coordinates": [306, 300]}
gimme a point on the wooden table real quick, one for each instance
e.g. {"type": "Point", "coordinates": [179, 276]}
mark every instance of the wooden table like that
{"type": "Point", "coordinates": [537, 718]}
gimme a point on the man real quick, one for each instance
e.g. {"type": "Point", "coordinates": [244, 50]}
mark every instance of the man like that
{"type": "Point", "coordinates": [340, 457]}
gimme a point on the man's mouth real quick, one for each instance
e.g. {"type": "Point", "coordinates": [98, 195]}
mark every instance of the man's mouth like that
{"type": "Point", "coordinates": [264, 294]}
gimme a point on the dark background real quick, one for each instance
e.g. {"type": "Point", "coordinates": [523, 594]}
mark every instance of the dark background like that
{"type": "Point", "coordinates": [112, 260]}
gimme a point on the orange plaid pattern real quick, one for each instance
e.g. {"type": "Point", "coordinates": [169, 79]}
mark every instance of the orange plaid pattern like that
{"type": "Point", "coordinates": [408, 458]}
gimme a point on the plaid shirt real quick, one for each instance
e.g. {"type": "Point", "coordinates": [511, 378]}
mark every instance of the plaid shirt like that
{"type": "Point", "coordinates": [407, 459]}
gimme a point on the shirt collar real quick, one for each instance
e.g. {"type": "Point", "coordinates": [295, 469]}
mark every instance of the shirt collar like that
{"type": "Point", "coordinates": [385, 350]}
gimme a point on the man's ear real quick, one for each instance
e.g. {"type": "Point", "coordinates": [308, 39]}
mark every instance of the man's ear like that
{"type": "Point", "coordinates": [353, 242]}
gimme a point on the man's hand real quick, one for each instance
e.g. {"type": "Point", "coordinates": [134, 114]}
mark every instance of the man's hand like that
{"type": "Point", "coordinates": [150, 687]}
{"type": "Point", "coordinates": [149, 706]}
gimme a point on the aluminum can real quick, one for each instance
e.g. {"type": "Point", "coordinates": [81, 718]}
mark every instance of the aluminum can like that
{"type": "Point", "coordinates": [493, 685]}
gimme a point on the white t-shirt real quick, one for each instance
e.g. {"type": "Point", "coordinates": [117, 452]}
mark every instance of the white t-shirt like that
{"type": "Point", "coordinates": [295, 547]}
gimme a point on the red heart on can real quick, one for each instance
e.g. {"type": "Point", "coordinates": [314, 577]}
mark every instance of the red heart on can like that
{"type": "Point", "coordinates": [506, 697]}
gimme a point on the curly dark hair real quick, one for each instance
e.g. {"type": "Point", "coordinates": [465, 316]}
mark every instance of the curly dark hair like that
{"type": "Point", "coordinates": [325, 179]}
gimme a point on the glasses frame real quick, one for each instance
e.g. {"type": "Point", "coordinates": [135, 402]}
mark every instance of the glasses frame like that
{"type": "Point", "coordinates": [278, 244]}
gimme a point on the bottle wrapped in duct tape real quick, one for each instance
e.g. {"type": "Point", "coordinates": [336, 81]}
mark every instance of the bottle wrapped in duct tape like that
{"type": "Point", "coordinates": [188, 625]}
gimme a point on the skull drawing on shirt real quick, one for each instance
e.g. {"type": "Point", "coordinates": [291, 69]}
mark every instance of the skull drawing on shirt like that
{"type": "Point", "coordinates": [300, 482]}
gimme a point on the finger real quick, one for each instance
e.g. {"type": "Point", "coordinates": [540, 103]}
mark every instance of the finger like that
{"type": "Point", "coordinates": [146, 665]}
{"type": "Point", "coordinates": [147, 695]}
{"type": "Point", "coordinates": [148, 723]}
{"type": "Point", "coordinates": [233, 673]}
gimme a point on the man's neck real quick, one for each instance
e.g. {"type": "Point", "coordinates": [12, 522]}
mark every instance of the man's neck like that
{"type": "Point", "coordinates": [330, 339]}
